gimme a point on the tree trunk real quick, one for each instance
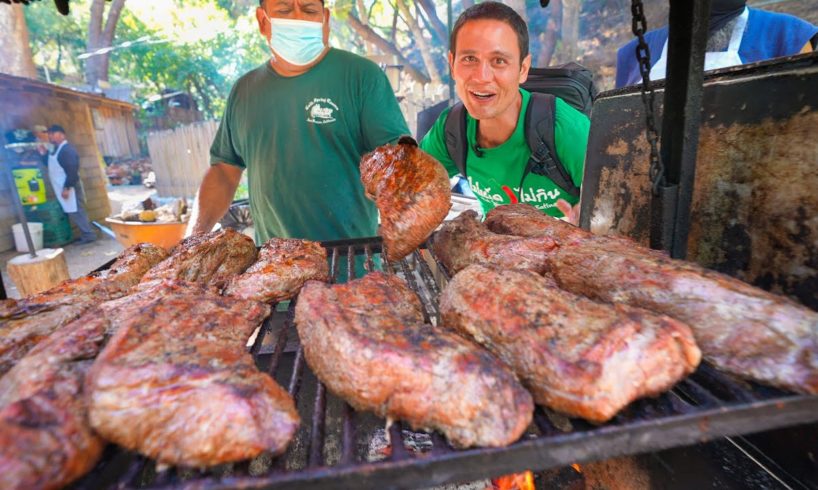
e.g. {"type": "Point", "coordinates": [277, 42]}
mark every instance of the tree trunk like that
{"type": "Point", "coordinates": [15, 51]}
{"type": "Point", "coordinates": [385, 46]}
{"type": "Point", "coordinates": [570, 28]}
{"type": "Point", "coordinates": [101, 30]}
{"type": "Point", "coordinates": [548, 39]}
{"type": "Point", "coordinates": [438, 27]}
{"type": "Point", "coordinates": [417, 33]}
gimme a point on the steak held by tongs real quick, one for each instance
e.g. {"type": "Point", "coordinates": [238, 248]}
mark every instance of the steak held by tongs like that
{"type": "Point", "coordinates": [578, 356]}
{"type": "Point", "coordinates": [412, 192]}
{"type": "Point", "coordinates": [367, 342]}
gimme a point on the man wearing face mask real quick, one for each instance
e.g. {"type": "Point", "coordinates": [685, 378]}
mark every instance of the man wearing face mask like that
{"type": "Point", "coordinates": [737, 34]}
{"type": "Point", "coordinates": [299, 125]}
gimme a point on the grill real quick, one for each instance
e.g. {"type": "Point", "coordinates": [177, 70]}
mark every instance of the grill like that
{"type": "Point", "coordinates": [337, 447]}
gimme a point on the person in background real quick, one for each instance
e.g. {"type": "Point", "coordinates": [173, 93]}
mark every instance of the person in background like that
{"type": "Point", "coordinates": [63, 171]}
{"type": "Point", "coordinates": [737, 34]}
{"type": "Point", "coordinates": [299, 125]}
{"type": "Point", "coordinates": [489, 59]}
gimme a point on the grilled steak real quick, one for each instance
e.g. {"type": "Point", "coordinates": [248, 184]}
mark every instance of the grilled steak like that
{"type": "Point", "coordinates": [26, 322]}
{"type": "Point", "coordinates": [366, 341]}
{"type": "Point", "coordinates": [45, 439]}
{"type": "Point", "coordinates": [411, 190]}
{"type": "Point", "coordinates": [283, 266]}
{"type": "Point", "coordinates": [741, 329]}
{"type": "Point", "coordinates": [176, 383]}
{"type": "Point", "coordinates": [465, 240]}
{"type": "Point", "coordinates": [578, 356]}
{"type": "Point", "coordinates": [527, 221]}
{"type": "Point", "coordinates": [208, 259]}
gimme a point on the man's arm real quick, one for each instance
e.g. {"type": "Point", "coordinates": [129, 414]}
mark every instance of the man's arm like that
{"type": "Point", "coordinates": [215, 195]}
{"type": "Point", "coordinates": [69, 160]}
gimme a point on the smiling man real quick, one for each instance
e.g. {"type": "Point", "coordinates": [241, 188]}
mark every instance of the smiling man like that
{"type": "Point", "coordinates": [299, 125]}
{"type": "Point", "coordinates": [489, 59]}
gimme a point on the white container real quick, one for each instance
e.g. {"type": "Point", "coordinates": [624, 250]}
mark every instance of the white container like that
{"type": "Point", "coordinates": [36, 231]}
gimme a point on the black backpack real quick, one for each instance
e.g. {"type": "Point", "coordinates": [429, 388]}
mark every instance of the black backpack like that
{"type": "Point", "coordinates": [571, 82]}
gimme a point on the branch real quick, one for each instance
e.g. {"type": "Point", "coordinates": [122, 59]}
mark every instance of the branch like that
{"type": "Point", "coordinates": [417, 33]}
{"type": "Point", "coordinates": [385, 46]}
{"type": "Point", "coordinates": [110, 23]}
{"type": "Point", "coordinates": [438, 27]}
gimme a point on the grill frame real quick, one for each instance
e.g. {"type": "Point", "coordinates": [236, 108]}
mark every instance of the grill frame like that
{"type": "Point", "coordinates": [706, 405]}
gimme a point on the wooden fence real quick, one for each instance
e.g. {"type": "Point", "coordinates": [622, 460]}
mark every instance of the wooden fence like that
{"type": "Point", "coordinates": [180, 158]}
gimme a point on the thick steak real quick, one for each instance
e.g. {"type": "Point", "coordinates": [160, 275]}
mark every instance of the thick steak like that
{"type": "Point", "coordinates": [578, 356]}
{"type": "Point", "coordinates": [176, 383]}
{"type": "Point", "coordinates": [740, 328]}
{"type": "Point", "coordinates": [208, 259]}
{"type": "Point", "coordinates": [411, 190]}
{"type": "Point", "coordinates": [366, 341]}
{"type": "Point", "coordinates": [283, 266]}
{"type": "Point", "coordinates": [25, 322]}
{"type": "Point", "coordinates": [465, 240]}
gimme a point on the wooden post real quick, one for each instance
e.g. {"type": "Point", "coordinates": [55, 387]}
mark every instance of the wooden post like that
{"type": "Point", "coordinates": [32, 275]}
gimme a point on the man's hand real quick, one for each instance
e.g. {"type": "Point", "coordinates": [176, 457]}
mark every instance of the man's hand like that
{"type": "Point", "coordinates": [66, 192]}
{"type": "Point", "coordinates": [571, 212]}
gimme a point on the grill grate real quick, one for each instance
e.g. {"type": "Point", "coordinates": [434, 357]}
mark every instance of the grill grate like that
{"type": "Point", "coordinates": [337, 447]}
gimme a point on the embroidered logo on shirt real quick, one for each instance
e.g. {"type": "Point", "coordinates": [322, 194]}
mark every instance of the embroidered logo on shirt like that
{"type": "Point", "coordinates": [321, 111]}
{"type": "Point", "coordinates": [539, 198]}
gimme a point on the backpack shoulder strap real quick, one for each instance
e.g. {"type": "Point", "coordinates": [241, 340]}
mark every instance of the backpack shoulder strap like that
{"type": "Point", "coordinates": [539, 134]}
{"type": "Point", "coordinates": [455, 132]}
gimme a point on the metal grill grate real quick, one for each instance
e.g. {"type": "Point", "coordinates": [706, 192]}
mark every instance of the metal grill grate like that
{"type": "Point", "coordinates": [337, 447]}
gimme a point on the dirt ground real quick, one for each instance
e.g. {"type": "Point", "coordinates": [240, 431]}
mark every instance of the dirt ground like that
{"type": "Point", "coordinates": [82, 259]}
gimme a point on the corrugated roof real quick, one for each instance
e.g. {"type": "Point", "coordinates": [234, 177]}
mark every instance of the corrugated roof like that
{"type": "Point", "coordinates": [28, 84]}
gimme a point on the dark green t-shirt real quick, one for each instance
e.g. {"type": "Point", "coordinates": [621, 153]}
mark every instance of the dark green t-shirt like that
{"type": "Point", "coordinates": [301, 139]}
{"type": "Point", "coordinates": [495, 177]}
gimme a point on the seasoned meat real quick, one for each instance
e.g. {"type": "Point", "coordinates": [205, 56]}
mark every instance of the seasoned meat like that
{"type": "Point", "coordinates": [465, 240]}
{"type": "Point", "coordinates": [176, 383]}
{"type": "Point", "coordinates": [740, 329]}
{"type": "Point", "coordinates": [581, 357]}
{"type": "Point", "coordinates": [366, 341]}
{"type": "Point", "coordinates": [411, 190]}
{"type": "Point", "coordinates": [527, 221]}
{"type": "Point", "coordinates": [26, 322]}
{"type": "Point", "coordinates": [283, 266]}
{"type": "Point", "coordinates": [45, 440]}
{"type": "Point", "coordinates": [209, 259]}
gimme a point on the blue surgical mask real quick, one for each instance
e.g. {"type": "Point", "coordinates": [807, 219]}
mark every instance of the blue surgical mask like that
{"type": "Point", "coordinates": [298, 42]}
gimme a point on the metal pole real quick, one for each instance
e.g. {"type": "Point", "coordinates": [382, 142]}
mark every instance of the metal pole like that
{"type": "Point", "coordinates": [449, 24]}
{"type": "Point", "coordinates": [687, 40]}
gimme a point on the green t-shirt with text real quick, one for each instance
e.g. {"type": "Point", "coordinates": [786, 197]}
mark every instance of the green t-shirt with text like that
{"type": "Point", "coordinates": [301, 139]}
{"type": "Point", "coordinates": [495, 176]}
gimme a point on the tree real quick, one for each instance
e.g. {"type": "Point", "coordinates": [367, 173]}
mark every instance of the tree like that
{"type": "Point", "coordinates": [15, 52]}
{"type": "Point", "coordinates": [101, 29]}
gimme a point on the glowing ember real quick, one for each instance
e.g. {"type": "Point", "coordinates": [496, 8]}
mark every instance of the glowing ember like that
{"type": "Point", "coordinates": [517, 481]}
{"type": "Point", "coordinates": [576, 467]}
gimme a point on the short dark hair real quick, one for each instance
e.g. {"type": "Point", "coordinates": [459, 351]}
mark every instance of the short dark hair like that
{"type": "Point", "coordinates": [493, 11]}
{"type": "Point", "coordinates": [56, 128]}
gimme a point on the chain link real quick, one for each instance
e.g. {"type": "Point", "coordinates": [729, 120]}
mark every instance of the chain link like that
{"type": "Point", "coordinates": [639, 26]}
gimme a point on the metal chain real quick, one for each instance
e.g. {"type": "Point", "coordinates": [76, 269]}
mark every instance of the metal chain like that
{"type": "Point", "coordinates": [639, 27]}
